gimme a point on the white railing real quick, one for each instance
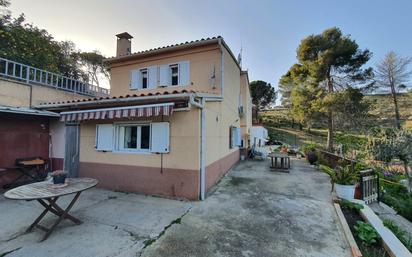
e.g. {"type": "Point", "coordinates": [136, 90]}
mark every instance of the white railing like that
{"type": "Point", "coordinates": [31, 75]}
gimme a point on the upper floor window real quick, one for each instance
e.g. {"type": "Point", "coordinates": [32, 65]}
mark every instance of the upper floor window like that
{"type": "Point", "coordinates": [174, 70]}
{"type": "Point", "coordinates": [144, 77]}
{"type": "Point", "coordinates": [176, 74]}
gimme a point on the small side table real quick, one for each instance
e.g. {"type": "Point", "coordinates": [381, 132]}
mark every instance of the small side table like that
{"type": "Point", "coordinates": [283, 164]}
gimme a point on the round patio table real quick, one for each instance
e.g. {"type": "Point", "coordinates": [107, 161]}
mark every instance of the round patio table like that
{"type": "Point", "coordinates": [47, 194]}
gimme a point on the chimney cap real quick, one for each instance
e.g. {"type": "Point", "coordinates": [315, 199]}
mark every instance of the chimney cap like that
{"type": "Point", "coordinates": [124, 35]}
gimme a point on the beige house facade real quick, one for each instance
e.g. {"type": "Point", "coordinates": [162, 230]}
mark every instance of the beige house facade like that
{"type": "Point", "coordinates": [174, 123]}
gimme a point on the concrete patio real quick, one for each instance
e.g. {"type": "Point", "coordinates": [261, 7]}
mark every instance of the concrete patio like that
{"type": "Point", "coordinates": [252, 212]}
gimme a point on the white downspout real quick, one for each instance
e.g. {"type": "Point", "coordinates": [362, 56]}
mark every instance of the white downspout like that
{"type": "Point", "coordinates": [202, 178]}
{"type": "Point", "coordinates": [222, 69]}
{"type": "Point", "coordinates": [202, 151]}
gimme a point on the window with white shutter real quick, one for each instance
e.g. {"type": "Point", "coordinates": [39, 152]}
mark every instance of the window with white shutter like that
{"type": "Point", "coordinates": [184, 73]}
{"type": "Point", "coordinates": [152, 72]}
{"type": "Point", "coordinates": [104, 137]}
{"type": "Point", "coordinates": [160, 137]}
{"type": "Point", "coordinates": [135, 79]}
{"type": "Point", "coordinates": [164, 75]}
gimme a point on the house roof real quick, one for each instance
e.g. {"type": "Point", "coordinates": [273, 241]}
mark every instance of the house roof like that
{"type": "Point", "coordinates": [27, 111]}
{"type": "Point", "coordinates": [161, 92]}
{"type": "Point", "coordinates": [170, 48]}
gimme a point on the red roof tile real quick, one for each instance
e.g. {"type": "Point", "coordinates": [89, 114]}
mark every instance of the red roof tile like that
{"type": "Point", "coordinates": [160, 91]}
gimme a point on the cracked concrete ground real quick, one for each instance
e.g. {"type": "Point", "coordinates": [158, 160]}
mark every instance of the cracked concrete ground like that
{"type": "Point", "coordinates": [256, 212]}
{"type": "Point", "coordinates": [115, 224]}
{"type": "Point", "coordinates": [251, 212]}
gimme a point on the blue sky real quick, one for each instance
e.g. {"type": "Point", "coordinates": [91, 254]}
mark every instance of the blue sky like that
{"type": "Point", "coordinates": [269, 31]}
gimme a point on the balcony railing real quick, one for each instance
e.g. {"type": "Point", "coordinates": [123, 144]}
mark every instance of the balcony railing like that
{"type": "Point", "coordinates": [33, 76]}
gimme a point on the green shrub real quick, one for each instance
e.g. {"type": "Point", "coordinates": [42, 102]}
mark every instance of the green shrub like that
{"type": "Point", "coordinates": [401, 234]}
{"type": "Point", "coordinates": [321, 160]}
{"type": "Point", "coordinates": [351, 142]}
{"type": "Point", "coordinates": [309, 147]}
{"type": "Point", "coordinates": [398, 197]}
{"type": "Point", "coordinates": [366, 233]}
{"type": "Point", "coordinates": [343, 175]}
{"type": "Point", "coordinates": [349, 205]}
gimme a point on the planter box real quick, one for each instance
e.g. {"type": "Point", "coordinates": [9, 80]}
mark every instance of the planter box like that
{"type": "Point", "coordinates": [391, 243]}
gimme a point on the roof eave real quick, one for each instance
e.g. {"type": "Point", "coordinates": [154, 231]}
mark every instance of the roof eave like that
{"type": "Point", "coordinates": [99, 102]}
{"type": "Point", "coordinates": [160, 51]}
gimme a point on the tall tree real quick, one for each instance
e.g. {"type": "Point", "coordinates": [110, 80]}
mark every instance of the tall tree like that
{"type": "Point", "coordinates": [333, 62]}
{"type": "Point", "coordinates": [92, 64]}
{"type": "Point", "coordinates": [296, 75]}
{"type": "Point", "coordinates": [263, 95]}
{"type": "Point", "coordinates": [392, 73]}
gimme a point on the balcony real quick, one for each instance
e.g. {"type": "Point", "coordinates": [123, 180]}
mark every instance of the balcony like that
{"type": "Point", "coordinates": [33, 76]}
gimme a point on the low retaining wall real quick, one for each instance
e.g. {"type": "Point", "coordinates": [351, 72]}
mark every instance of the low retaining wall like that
{"type": "Point", "coordinates": [333, 159]}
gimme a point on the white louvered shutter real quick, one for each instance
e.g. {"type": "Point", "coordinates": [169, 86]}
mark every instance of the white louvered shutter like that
{"type": "Point", "coordinates": [160, 137]}
{"type": "Point", "coordinates": [104, 137]}
{"type": "Point", "coordinates": [135, 79]}
{"type": "Point", "coordinates": [238, 137]}
{"type": "Point", "coordinates": [165, 76]}
{"type": "Point", "coordinates": [184, 73]}
{"type": "Point", "coordinates": [152, 76]}
{"type": "Point", "coordinates": [233, 137]}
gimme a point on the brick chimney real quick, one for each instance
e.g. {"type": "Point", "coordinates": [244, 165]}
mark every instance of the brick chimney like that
{"type": "Point", "coordinates": [124, 44]}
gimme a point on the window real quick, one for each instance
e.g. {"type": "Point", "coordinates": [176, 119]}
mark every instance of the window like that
{"type": "Point", "coordinates": [144, 78]}
{"type": "Point", "coordinates": [132, 137]}
{"type": "Point", "coordinates": [175, 74]}
{"type": "Point", "coordinates": [234, 137]}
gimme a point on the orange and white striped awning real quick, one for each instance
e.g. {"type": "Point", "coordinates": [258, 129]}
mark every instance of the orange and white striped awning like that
{"type": "Point", "coordinates": [138, 111]}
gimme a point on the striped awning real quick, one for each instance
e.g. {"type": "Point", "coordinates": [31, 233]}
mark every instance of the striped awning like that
{"type": "Point", "coordinates": [139, 111]}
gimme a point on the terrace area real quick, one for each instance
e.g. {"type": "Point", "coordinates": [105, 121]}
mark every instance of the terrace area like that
{"type": "Point", "coordinates": [251, 212]}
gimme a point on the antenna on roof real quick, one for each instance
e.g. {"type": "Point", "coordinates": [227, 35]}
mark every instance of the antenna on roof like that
{"type": "Point", "coordinates": [239, 57]}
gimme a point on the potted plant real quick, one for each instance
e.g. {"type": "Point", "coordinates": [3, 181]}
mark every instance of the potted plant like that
{"type": "Point", "coordinates": [310, 152]}
{"type": "Point", "coordinates": [284, 149]}
{"type": "Point", "coordinates": [343, 179]}
{"type": "Point", "coordinates": [59, 176]}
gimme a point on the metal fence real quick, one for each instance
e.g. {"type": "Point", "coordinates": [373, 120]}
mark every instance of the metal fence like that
{"type": "Point", "coordinates": [369, 180]}
{"type": "Point", "coordinates": [31, 75]}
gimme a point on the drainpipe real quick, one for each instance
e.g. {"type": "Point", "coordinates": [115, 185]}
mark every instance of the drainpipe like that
{"type": "Point", "coordinates": [202, 178]}
{"type": "Point", "coordinates": [222, 68]}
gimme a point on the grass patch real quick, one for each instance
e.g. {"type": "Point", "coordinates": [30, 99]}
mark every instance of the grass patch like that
{"type": "Point", "coordinates": [401, 234]}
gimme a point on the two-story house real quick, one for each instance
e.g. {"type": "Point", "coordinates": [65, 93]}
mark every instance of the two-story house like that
{"type": "Point", "coordinates": [173, 124]}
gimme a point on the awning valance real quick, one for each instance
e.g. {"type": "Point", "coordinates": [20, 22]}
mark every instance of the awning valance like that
{"type": "Point", "coordinates": [139, 111]}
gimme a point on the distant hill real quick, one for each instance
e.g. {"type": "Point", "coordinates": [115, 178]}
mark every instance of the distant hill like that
{"type": "Point", "coordinates": [382, 108]}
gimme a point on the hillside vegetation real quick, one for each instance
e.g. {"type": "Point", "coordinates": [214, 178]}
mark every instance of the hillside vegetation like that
{"type": "Point", "coordinates": [381, 108]}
